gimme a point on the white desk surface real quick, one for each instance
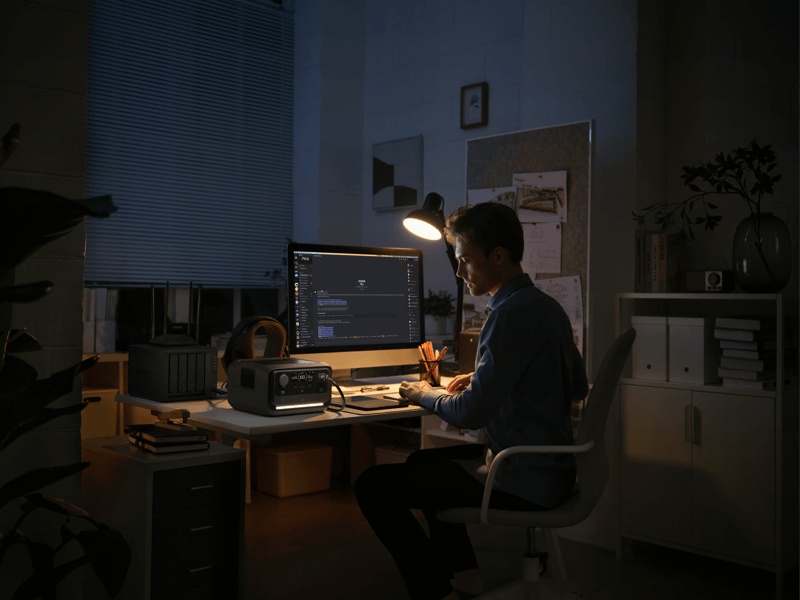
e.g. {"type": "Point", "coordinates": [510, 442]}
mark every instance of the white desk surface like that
{"type": "Point", "coordinates": [218, 414]}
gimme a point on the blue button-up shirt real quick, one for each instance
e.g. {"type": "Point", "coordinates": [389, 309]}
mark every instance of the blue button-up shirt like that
{"type": "Point", "coordinates": [527, 371]}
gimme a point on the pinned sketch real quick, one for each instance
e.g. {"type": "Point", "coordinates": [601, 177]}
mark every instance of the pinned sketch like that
{"type": "Point", "coordinates": [541, 197]}
{"type": "Point", "coordinates": [567, 291]}
{"type": "Point", "coordinates": [475, 311]}
{"type": "Point", "coordinates": [542, 248]}
{"type": "Point", "coordinates": [503, 195]}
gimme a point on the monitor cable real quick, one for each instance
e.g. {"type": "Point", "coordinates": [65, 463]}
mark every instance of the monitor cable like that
{"type": "Point", "coordinates": [341, 393]}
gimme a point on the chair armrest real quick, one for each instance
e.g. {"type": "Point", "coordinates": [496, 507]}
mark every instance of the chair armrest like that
{"type": "Point", "coordinates": [487, 490]}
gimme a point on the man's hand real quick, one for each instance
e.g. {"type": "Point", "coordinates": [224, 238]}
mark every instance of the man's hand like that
{"type": "Point", "coordinates": [413, 392]}
{"type": "Point", "coordinates": [459, 383]}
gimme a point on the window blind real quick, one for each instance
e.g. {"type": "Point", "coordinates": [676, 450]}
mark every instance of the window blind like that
{"type": "Point", "coordinates": [190, 131]}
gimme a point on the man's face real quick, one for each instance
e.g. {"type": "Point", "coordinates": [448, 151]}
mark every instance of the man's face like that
{"type": "Point", "coordinates": [482, 275]}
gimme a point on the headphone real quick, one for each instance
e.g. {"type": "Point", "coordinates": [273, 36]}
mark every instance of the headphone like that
{"type": "Point", "coordinates": [242, 343]}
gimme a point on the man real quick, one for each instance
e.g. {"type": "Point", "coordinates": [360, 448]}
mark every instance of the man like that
{"type": "Point", "coordinates": [527, 372]}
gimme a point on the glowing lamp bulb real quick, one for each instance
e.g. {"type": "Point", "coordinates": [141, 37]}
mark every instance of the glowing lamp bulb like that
{"type": "Point", "coordinates": [422, 229]}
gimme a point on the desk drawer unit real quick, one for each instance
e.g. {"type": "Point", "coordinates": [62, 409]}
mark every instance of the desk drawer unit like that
{"type": "Point", "coordinates": [183, 523]}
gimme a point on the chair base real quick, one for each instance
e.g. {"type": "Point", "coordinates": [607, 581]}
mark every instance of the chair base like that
{"type": "Point", "coordinates": [531, 587]}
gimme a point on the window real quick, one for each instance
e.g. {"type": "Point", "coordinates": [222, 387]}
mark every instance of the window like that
{"type": "Point", "coordinates": [190, 131]}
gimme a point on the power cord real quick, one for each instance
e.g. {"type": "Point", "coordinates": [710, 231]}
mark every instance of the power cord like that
{"type": "Point", "coordinates": [341, 393]}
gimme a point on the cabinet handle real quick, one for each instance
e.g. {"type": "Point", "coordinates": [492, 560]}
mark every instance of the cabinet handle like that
{"type": "Point", "coordinates": [198, 569]}
{"type": "Point", "coordinates": [200, 487]}
{"type": "Point", "coordinates": [196, 529]}
{"type": "Point", "coordinates": [93, 399]}
{"type": "Point", "coordinates": [688, 418]}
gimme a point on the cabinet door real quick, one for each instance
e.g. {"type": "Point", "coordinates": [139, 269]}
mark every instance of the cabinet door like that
{"type": "Point", "coordinates": [734, 476]}
{"type": "Point", "coordinates": [655, 464]}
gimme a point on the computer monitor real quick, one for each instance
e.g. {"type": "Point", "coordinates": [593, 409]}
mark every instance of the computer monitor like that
{"type": "Point", "coordinates": [355, 307]}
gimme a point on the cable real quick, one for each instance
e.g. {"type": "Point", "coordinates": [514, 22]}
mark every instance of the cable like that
{"type": "Point", "coordinates": [341, 393]}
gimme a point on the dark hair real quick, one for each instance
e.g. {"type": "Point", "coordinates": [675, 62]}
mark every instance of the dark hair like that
{"type": "Point", "coordinates": [487, 225]}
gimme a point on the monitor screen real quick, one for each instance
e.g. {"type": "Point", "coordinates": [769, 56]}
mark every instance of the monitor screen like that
{"type": "Point", "coordinates": [348, 298]}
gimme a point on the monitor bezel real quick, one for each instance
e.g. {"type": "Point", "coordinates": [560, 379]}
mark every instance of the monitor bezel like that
{"type": "Point", "coordinates": [308, 247]}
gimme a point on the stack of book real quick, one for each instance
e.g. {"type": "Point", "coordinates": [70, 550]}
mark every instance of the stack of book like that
{"type": "Point", "coordinates": [163, 438]}
{"type": "Point", "coordinates": [660, 262]}
{"type": "Point", "coordinates": [748, 353]}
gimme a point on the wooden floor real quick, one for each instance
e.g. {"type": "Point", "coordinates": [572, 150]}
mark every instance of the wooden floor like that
{"type": "Point", "coordinates": [319, 547]}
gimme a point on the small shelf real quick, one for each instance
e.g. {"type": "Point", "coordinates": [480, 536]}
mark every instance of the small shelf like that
{"type": "Point", "coordinates": [451, 435]}
{"type": "Point", "coordinates": [715, 388]}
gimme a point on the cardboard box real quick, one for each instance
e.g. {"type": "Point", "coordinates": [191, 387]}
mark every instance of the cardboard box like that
{"type": "Point", "coordinates": [295, 469]}
{"type": "Point", "coordinates": [693, 351]}
{"type": "Point", "coordinates": [386, 455]}
{"type": "Point", "coordinates": [649, 353]}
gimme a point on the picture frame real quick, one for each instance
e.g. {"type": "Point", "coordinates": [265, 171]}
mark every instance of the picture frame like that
{"type": "Point", "coordinates": [475, 105]}
{"type": "Point", "coordinates": [397, 174]}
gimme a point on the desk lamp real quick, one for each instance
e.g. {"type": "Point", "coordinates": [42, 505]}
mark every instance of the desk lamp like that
{"type": "Point", "coordinates": [428, 222]}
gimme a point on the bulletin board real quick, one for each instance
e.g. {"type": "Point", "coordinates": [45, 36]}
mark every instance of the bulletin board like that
{"type": "Point", "coordinates": [492, 161]}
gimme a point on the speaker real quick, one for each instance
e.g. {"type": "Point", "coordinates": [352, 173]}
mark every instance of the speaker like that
{"type": "Point", "coordinates": [709, 281]}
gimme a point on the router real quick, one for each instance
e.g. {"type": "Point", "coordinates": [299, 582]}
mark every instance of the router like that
{"type": "Point", "coordinates": [173, 367]}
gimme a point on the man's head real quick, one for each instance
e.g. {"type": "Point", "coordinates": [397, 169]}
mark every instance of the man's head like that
{"type": "Point", "coordinates": [488, 243]}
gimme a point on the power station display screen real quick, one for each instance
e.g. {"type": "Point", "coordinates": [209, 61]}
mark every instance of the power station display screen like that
{"type": "Point", "coordinates": [354, 298]}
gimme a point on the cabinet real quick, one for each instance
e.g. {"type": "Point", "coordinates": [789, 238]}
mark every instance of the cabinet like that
{"type": "Point", "coordinates": [182, 515]}
{"type": "Point", "coordinates": [708, 469]}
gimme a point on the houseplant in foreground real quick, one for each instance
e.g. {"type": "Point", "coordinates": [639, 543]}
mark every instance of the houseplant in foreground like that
{"type": "Point", "coordinates": [31, 219]}
{"type": "Point", "coordinates": [762, 243]}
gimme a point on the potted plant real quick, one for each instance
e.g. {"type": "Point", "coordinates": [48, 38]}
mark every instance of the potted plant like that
{"type": "Point", "coordinates": [438, 309]}
{"type": "Point", "coordinates": [31, 219]}
{"type": "Point", "coordinates": [761, 243]}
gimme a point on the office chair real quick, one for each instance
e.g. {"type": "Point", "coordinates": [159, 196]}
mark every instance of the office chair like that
{"type": "Point", "coordinates": [592, 467]}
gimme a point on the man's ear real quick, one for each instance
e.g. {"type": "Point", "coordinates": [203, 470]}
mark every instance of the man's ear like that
{"type": "Point", "coordinates": [499, 256]}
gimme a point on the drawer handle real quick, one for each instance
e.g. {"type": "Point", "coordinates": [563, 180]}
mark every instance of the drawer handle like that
{"type": "Point", "coordinates": [198, 569]}
{"type": "Point", "coordinates": [196, 529]}
{"type": "Point", "coordinates": [201, 487]}
{"type": "Point", "coordinates": [93, 399]}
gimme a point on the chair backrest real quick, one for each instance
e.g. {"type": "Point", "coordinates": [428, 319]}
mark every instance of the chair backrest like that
{"type": "Point", "coordinates": [592, 466]}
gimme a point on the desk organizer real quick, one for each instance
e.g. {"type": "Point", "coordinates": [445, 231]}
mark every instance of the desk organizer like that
{"type": "Point", "coordinates": [285, 471]}
{"type": "Point", "coordinates": [693, 351]}
{"type": "Point", "coordinates": [649, 353]}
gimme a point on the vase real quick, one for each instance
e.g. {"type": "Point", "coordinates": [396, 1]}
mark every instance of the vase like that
{"type": "Point", "coordinates": [435, 325]}
{"type": "Point", "coordinates": [762, 254]}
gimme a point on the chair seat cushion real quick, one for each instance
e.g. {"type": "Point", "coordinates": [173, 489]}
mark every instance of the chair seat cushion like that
{"type": "Point", "coordinates": [570, 512]}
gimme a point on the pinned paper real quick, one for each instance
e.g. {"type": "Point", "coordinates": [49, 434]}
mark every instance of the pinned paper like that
{"type": "Point", "coordinates": [542, 248]}
{"type": "Point", "coordinates": [503, 195]}
{"type": "Point", "coordinates": [567, 292]}
{"type": "Point", "coordinates": [541, 197]}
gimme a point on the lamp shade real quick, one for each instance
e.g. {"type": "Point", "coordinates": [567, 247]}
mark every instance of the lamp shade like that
{"type": "Point", "coordinates": [424, 224]}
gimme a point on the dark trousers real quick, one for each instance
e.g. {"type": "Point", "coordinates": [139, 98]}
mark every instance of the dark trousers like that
{"type": "Point", "coordinates": [429, 481]}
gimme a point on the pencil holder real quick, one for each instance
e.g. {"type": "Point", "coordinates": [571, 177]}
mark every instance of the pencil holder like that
{"type": "Point", "coordinates": [430, 371]}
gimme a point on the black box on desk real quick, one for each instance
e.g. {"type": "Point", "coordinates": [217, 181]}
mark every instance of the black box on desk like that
{"type": "Point", "coordinates": [172, 373]}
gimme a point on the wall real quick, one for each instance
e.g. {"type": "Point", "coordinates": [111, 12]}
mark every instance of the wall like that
{"type": "Point", "coordinates": [329, 86]}
{"type": "Point", "coordinates": [43, 86]}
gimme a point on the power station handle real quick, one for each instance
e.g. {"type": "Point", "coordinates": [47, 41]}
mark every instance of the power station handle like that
{"type": "Point", "coordinates": [201, 487]}
{"type": "Point", "coordinates": [196, 529]}
{"type": "Point", "coordinates": [688, 419]}
{"type": "Point", "coordinates": [198, 569]}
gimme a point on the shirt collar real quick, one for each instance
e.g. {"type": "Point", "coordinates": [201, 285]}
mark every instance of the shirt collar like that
{"type": "Point", "coordinates": [508, 288]}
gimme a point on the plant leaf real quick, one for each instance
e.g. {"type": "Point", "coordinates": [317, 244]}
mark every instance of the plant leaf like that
{"type": "Point", "coordinates": [53, 504]}
{"type": "Point", "coordinates": [19, 340]}
{"type": "Point", "coordinates": [21, 396]}
{"type": "Point", "coordinates": [27, 292]}
{"type": "Point", "coordinates": [110, 556]}
{"type": "Point", "coordinates": [37, 479]}
{"type": "Point", "coordinates": [9, 142]}
{"type": "Point", "coordinates": [40, 217]}
{"type": "Point", "coordinates": [43, 416]}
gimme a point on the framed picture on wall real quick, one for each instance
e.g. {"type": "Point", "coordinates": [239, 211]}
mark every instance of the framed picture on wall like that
{"type": "Point", "coordinates": [397, 174]}
{"type": "Point", "coordinates": [475, 105]}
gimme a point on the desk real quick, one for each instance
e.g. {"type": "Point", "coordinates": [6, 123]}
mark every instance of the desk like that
{"type": "Point", "coordinates": [229, 424]}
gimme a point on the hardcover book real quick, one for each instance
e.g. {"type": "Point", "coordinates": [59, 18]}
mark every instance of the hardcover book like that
{"type": "Point", "coordinates": [748, 322]}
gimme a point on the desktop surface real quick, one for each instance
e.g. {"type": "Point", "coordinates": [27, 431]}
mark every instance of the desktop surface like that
{"type": "Point", "coordinates": [219, 416]}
